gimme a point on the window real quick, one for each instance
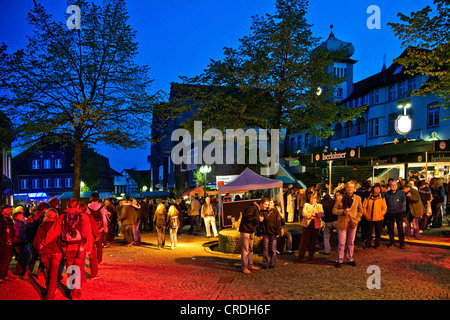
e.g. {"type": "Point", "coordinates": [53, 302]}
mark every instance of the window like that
{"type": "Point", "coordinates": [374, 127]}
{"type": "Point", "coordinates": [46, 183]}
{"type": "Point", "coordinates": [392, 118]}
{"type": "Point", "coordinates": [35, 183]}
{"type": "Point", "coordinates": [299, 142]}
{"type": "Point", "coordinates": [68, 182]}
{"type": "Point", "coordinates": [35, 164]}
{"type": "Point", "coordinates": [347, 129]}
{"type": "Point", "coordinates": [376, 96]}
{"type": "Point", "coordinates": [412, 84]}
{"type": "Point", "coordinates": [47, 164]}
{"type": "Point", "coordinates": [338, 131]}
{"type": "Point", "coordinates": [433, 115]}
{"type": "Point", "coordinates": [339, 92]}
{"type": "Point", "coordinates": [360, 126]}
{"type": "Point", "coordinates": [359, 101]}
{"type": "Point", "coordinates": [57, 182]}
{"type": "Point", "coordinates": [58, 163]}
{"type": "Point", "coordinates": [392, 93]}
{"type": "Point", "coordinates": [402, 89]}
{"type": "Point", "coordinates": [24, 184]}
{"type": "Point", "coordinates": [307, 140]}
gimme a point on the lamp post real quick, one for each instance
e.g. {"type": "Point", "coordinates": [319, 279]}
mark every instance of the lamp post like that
{"type": "Point", "coordinates": [205, 169]}
{"type": "Point", "coordinates": [403, 123]}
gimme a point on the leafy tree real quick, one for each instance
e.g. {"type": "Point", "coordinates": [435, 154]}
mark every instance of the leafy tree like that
{"type": "Point", "coordinates": [426, 33]}
{"type": "Point", "coordinates": [270, 81]}
{"type": "Point", "coordinates": [79, 86]}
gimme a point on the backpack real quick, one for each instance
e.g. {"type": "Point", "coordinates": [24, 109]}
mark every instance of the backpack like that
{"type": "Point", "coordinates": [73, 229]}
{"type": "Point", "coordinates": [97, 214]}
{"type": "Point", "coordinates": [32, 227]}
{"type": "Point", "coordinates": [174, 222]}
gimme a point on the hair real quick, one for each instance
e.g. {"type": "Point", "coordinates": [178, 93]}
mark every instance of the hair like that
{"type": "Point", "coordinates": [73, 203]}
{"type": "Point", "coordinates": [172, 211]}
{"type": "Point", "coordinates": [264, 200]}
{"type": "Point", "coordinates": [376, 185]}
{"type": "Point", "coordinates": [161, 208]}
{"type": "Point", "coordinates": [42, 206]}
{"type": "Point", "coordinates": [50, 214]}
{"type": "Point", "coordinates": [82, 206]}
{"type": "Point", "coordinates": [53, 202]}
{"type": "Point", "coordinates": [313, 196]}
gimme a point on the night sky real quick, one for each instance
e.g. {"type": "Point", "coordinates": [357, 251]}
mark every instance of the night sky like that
{"type": "Point", "coordinates": [179, 37]}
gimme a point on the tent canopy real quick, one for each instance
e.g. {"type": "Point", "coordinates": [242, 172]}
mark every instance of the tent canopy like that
{"type": "Point", "coordinates": [199, 190]}
{"type": "Point", "coordinates": [249, 180]}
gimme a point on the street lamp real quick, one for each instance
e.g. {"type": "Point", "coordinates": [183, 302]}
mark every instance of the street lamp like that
{"type": "Point", "coordinates": [403, 123]}
{"type": "Point", "coordinates": [205, 169]}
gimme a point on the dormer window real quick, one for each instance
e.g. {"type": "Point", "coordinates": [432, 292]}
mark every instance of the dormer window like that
{"type": "Point", "coordinates": [35, 164]}
{"type": "Point", "coordinates": [58, 163]}
{"type": "Point", "coordinates": [47, 164]}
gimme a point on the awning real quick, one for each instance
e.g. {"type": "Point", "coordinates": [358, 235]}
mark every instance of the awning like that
{"type": "Point", "coordinates": [200, 191]}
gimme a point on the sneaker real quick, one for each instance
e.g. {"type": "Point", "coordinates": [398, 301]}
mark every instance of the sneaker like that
{"type": "Point", "coordinates": [352, 263]}
{"type": "Point", "coordinates": [254, 268]}
{"type": "Point", "coordinates": [246, 271]}
{"type": "Point", "coordinates": [271, 267]}
{"type": "Point", "coordinates": [337, 265]}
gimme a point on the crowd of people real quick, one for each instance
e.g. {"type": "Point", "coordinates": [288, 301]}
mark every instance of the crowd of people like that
{"type": "Point", "coordinates": [410, 205]}
{"type": "Point", "coordinates": [58, 238]}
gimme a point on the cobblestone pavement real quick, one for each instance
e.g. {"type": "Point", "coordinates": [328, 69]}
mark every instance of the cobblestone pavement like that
{"type": "Point", "coordinates": [194, 270]}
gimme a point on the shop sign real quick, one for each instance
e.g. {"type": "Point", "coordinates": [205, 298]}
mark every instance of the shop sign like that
{"type": "Point", "coordinates": [335, 155]}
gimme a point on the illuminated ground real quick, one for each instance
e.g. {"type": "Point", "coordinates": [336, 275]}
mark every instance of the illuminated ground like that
{"type": "Point", "coordinates": [194, 271]}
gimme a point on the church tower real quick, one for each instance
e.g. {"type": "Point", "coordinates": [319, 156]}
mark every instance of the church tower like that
{"type": "Point", "coordinates": [342, 68]}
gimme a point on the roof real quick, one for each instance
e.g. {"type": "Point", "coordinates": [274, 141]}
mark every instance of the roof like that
{"type": "Point", "coordinates": [248, 180]}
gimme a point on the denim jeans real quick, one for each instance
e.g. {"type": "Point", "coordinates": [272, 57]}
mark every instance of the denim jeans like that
{"type": "Point", "coordinates": [173, 236]}
{"type": "Point", "coordinates": [247, 250]}
{"type": "Point", "coordinates": [398, 219]}
{"type": "Point", "coordinates": [415, 222]}
{"type": "Point", "coordinates": [346, 241]}
{"type": "Point", "coordinates": [269, 250]}
{"type": "Point", "coordinates": [161, 236]}
{"type": "Point", "coordinates": [51, 264]}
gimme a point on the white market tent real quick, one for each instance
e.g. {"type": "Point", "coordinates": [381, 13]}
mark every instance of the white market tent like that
{"type": "Point", "coordinates": [249, 180]}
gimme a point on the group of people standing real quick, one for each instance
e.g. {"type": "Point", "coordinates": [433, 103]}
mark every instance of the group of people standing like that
{"type": "Point", "coordinates": [365, 207]}
{"type": "Point", "coordinates": [60, 238]}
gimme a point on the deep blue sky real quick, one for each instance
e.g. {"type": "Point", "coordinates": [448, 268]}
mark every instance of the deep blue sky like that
{"type": "Point", "coordinates": [179, 37]}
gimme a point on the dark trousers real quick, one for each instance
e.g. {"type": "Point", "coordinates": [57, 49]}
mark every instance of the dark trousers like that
{"type": "Point", "coordinates": [127, 231]}
{"type": "Point", "coordinates": [111, 230]}
{"type": "Point", "coordinates": [161, 236]}
{"type": "Point", "coordinates": [269, 250]}
{"type": "Point", "coordinates": [370, 226]}
{"type": "Point", "coordinates": [144, 226]}
{"type": "Point", "coordinates": [51, 264]}
{"type": "Point", "coordinates": [393, 218]}
{"type": "Point", "coordinates": [195, 220]}
{"type": "Point", "coordinates": [24, 256]}
{"type": "Point", "coordinates": [436, 208]}
{"type": "Point", "coordinates": [5, 259]}
{"type": "Point", "coordinates": [76, 258]}
{"type": "Point", "coordinates": [309, 236]}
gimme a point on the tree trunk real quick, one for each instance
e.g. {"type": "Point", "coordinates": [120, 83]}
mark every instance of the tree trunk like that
{"type": "Point", "coordinates": [77, 170]}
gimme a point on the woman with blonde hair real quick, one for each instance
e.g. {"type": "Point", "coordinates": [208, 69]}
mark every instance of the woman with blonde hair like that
{"type": "Point", "coordinates": [160, 221]}
{"type": "Point", "coordinates": [173, 221]}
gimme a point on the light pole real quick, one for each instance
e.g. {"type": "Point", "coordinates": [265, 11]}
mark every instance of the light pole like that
{"type": "Point", "coordinates": [205, 169]}
{"type": "Point", "coordinates": [403, 123]}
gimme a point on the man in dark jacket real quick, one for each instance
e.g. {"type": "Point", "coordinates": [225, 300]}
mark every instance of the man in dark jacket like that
{"type": "Point", "coordinates": [329, 219]}
{"type": "Point", "coordinates": [271, 229]}
{"type": "Point", "coordinates": [396, 206]}
{"type": "Point", "coordinates": [247, 228]}
{"type": "Point", "coordinates": [128, 218]}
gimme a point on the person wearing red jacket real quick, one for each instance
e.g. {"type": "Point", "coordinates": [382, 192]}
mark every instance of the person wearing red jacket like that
{"type": "Point", "coordinates": [73, 228]}
{"type": "Point", "coordinates": [7, 234]}
{"type": "Point", "coordinates": [51, 253]}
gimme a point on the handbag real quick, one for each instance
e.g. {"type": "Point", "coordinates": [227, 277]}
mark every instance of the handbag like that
{"type": "Point", "coordinates": [429, 211]}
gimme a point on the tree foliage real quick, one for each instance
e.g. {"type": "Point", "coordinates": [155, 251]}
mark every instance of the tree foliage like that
{"type": "Point", "coordinates": [82, 86]}
{"type": "Point", "coordinates": [426, 33]}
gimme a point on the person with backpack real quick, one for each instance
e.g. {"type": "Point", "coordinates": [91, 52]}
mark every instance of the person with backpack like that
{"type": "Point", "coordinates": [7, 234]}
{"type": "Point", "coordinates": [73, 229]}
{"type": "Point", "coordinates": [127, 220]}
{"type": "Point", "coordinates": [31, 227]}
{"type": "Point", "coordinates": [92, 239]}
{"type": "Point", "coordinates": [51, 254]}
{"type": "Point", "coordinates": [160, 220]}
{"type": "Point", "coordinates": [173, 221]}
{"type": "Point", "coordinates": [100, 215]}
